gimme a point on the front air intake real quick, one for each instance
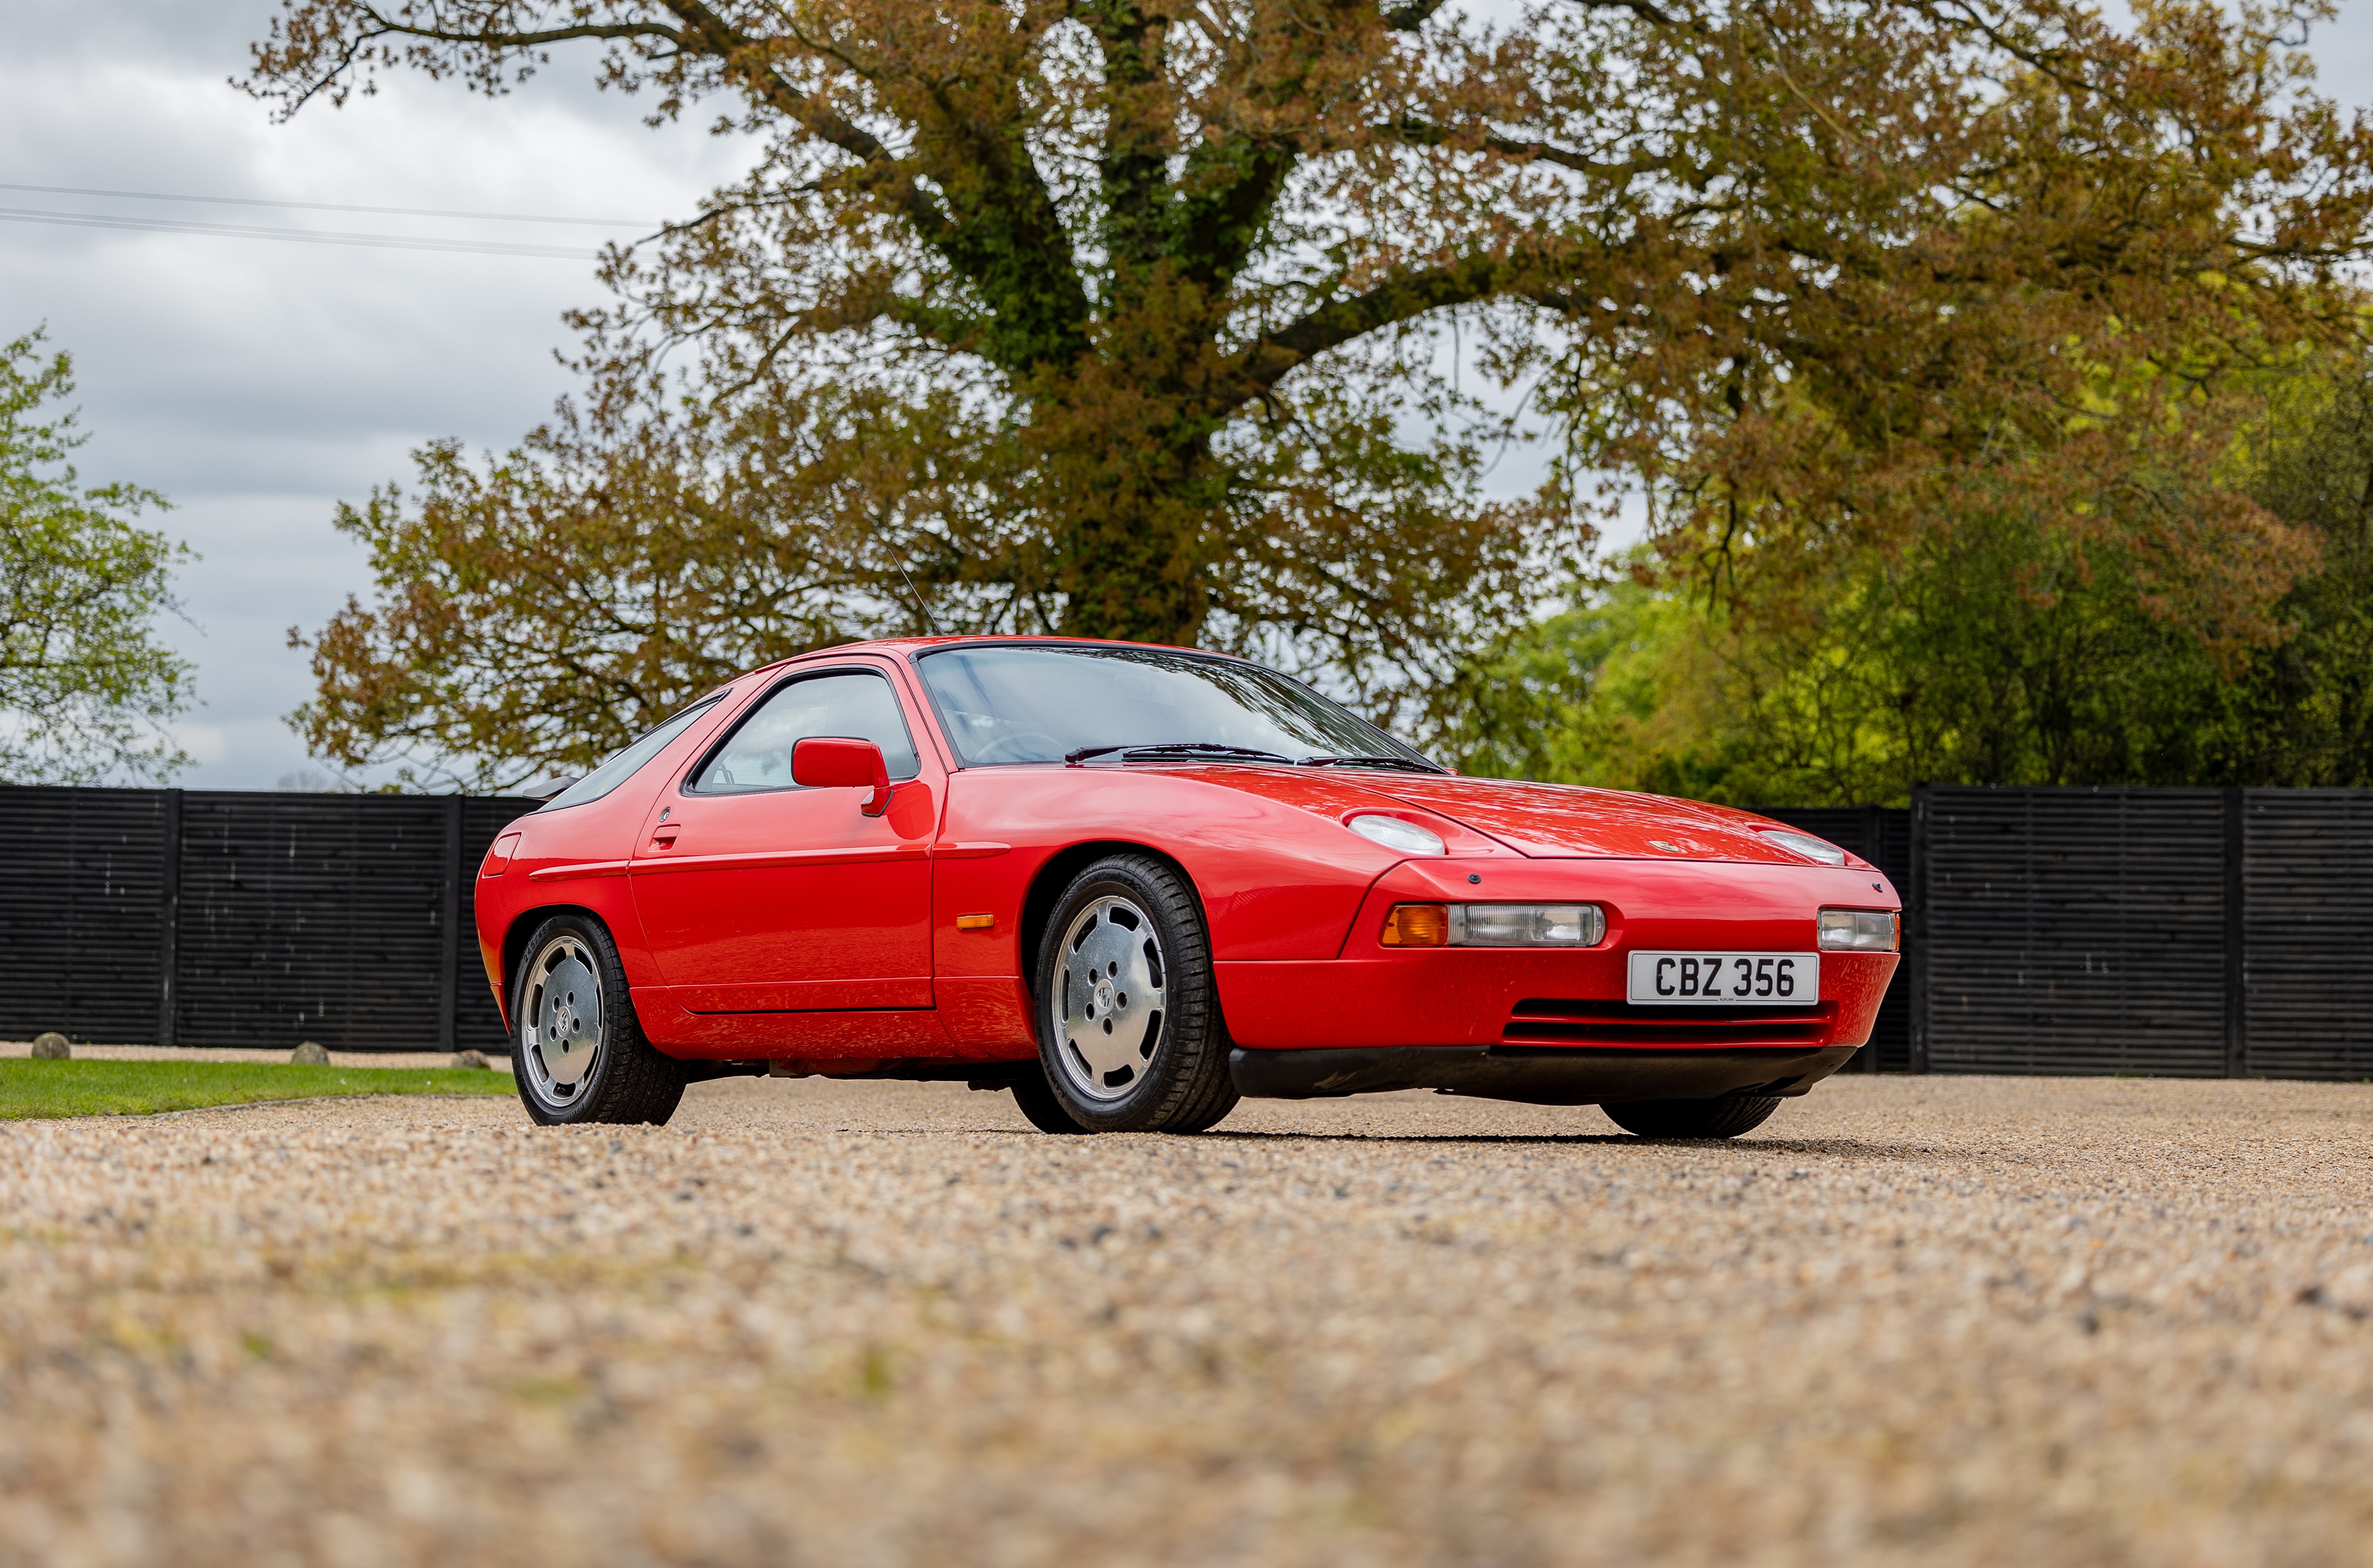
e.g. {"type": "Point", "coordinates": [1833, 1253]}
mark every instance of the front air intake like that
{"type": "Point", "coordinates": [1554, 1021]}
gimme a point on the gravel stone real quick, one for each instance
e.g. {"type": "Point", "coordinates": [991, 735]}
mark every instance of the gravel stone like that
{"type": "Point", "coordinates": [1935, 1320]}
{"type": "Point", "coordinates": [476, 1060]}
{"type": "Point", "coordinates": [309, 1054]}
{"type": "Point", "coordinates": [52, 1045]}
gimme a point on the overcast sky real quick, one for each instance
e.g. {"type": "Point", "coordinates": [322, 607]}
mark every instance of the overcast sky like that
{"type": "Point", "coordinates": [258, 382]}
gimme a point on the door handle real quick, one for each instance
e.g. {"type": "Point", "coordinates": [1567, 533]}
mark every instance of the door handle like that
{"type": "Point", "coordinates": [664, 835]}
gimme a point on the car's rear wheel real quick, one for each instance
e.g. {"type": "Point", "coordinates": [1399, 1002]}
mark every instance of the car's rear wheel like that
{"type": "Point", "coordinates": [1726, 1117]}
{"type": "Point", "coordinates": [580, 1054]}
{"type": "Point", "coordinates": [1128, 1018]}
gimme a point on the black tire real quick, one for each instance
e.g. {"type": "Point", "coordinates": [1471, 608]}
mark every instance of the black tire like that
{"type": "Point", "coordinates": [1036, 1098]}
{"type": "Point", "coordinates": [622, 1079]}
{"type": "Point", "coordinates": [1693, 1118]}
{"type": "Point", "coordinates": [1167, 1071]}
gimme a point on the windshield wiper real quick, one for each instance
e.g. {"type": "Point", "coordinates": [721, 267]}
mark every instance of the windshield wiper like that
{"type": "Point", "coordinates": [1408, 765]}
{"type": "Point", "coordinates": [1174, 748]}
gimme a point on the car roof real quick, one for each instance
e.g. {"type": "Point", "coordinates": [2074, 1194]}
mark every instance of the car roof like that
{"type": "Point", "coordinates": [908, 647]}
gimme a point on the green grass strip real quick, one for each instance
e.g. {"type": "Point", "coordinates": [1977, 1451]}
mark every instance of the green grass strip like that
{"type": "Point", "coordinates": [30, 1088]}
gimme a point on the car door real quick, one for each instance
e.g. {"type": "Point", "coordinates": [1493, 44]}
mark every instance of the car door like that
{"type": "Point", "coordinates": [758, 895]}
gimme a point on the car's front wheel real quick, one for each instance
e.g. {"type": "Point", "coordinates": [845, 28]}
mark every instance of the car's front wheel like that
{"type": "Point", "coordinates": [1129, 1016]}
{"type": "Point", "coordinates": [580, 1053]}
{"type": "Point", "coordinates": [1724, 1118]}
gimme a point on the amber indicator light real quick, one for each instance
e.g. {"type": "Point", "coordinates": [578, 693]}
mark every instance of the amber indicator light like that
{"type": "Point", "coordinates": [975, 922]}
{"type": "Point", "coordinates": [1418, 925]}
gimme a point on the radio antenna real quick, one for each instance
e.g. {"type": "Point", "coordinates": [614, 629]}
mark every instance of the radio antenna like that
{"type": "Point", "coordinates": [920, 604]}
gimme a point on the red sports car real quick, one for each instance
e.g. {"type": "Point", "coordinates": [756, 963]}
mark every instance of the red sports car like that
{"type": "Point", "coordinates": [1132, 885]}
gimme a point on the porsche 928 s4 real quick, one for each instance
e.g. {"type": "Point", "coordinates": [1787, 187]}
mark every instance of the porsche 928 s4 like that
{"type": "Point", "coordinates": [1131, 885]}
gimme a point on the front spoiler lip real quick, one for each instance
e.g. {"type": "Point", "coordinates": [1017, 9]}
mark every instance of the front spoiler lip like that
{"type": "Point", "coordinates": [1535, 1076]}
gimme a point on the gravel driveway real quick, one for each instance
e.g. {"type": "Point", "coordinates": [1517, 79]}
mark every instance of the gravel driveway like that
{"type": "Point", "coordinates": [1945, 1320]}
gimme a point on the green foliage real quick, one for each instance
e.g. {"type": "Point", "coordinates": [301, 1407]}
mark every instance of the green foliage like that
{"type": "Point", "coordinates": [84, 685]}
{"type": "Point", "coordinates": [1624, 688]}
{"type": "Point", "coordinates": [2003, 647]}
{"type": "Point", "coordinates": [37, 1089]}
{"type": "Point", "coordinates": [2304, 715]}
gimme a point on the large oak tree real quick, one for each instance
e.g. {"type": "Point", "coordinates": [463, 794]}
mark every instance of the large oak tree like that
{"type": "Point", "coordinates": [1149, 317]}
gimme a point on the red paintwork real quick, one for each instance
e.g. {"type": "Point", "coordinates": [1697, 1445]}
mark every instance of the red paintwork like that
{"type": "Point", "coordinates": [791, 926]}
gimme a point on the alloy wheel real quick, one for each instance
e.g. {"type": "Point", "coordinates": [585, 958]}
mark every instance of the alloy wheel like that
{"type": "Point", "coordinates": [1108, 1001]}
{"type": "Point", "coordinates": [561, 1020]}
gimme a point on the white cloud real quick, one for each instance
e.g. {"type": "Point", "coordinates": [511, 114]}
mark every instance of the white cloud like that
{"type": "Point", "coordinates": [259, 382]}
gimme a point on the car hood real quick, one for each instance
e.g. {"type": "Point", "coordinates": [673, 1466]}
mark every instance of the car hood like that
{"type": "Point", "coordinates": [1543, 821]}
{"type": "Point", "coordinates": [1551, 820]}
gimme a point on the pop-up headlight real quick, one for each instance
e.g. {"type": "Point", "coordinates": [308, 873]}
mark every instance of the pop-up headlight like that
{"type": "Point", "coordinates": [1397, 833]}
{"type": "Point", "coordinates": [1805, 843]}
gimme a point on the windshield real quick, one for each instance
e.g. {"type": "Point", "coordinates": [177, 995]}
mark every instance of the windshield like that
{"type": "Point", "coordinates": [1046, 703]}
{"type": "Point", "coordinates": [622, 763]}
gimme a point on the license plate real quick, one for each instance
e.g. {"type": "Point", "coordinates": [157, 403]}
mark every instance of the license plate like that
{"type": "Point", "coordinates": [1726, 979]}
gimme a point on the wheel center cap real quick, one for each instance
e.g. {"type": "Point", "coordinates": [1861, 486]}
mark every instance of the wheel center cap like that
{"type": "Point", "coordinates": [1104, 996]}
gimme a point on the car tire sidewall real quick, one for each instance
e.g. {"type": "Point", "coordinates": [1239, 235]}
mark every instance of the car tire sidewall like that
{"type": "Point", "coordinates": [613, 1091]}
{"type": "Point", "coordinates": [1039, 1105]}
{"type": "Point", "coordinates": [1190, 1011]}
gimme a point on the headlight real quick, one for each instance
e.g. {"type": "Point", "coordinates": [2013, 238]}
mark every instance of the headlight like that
{"type": "Point", "coordinates": [1805, 843]}
{"type": "Point", "coordinates": [1493, 925]}
{"type": "Point", "coordinates": [1393, 832]}
{"type": "Point", "coordinates": [1861, 930]}
{"type": "Point", "coordinates": [1526, 925]}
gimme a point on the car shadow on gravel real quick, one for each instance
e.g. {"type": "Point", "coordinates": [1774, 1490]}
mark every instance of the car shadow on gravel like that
{"type": "Point", "coordinates": [1819, 1148]}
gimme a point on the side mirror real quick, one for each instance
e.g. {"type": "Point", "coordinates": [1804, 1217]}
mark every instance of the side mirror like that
{"type": "Point", "coordinates": [836, 762]}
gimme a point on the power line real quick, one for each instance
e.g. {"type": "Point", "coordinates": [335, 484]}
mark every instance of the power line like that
{"type": "Point", "coordinates": [302, 236]}
{"type": "Point", "coordinates": [333, 206]}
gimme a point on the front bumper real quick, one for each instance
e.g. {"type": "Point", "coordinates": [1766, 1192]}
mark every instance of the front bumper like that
{"type": "Point", "coordinates": [1372, 996]}
{"type": "Point", "coordinates": [1535, 1076]}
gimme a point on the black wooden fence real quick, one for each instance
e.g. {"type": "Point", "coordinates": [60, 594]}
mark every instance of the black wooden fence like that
{"type": "Point", "coordinates": [2193, 932]}
{"type": "Point", "coordinates": [2197, 933]}
{"type": "Point", "coordinates": [205, 918]}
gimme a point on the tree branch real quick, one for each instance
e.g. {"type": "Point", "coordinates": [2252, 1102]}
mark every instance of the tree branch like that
{"type": "Point", "coordinates": [1399, 298]}
{"type": "Point", "coordinates": [1410, 130]}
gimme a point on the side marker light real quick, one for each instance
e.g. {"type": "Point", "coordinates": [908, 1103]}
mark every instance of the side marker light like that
{"type": "Point", "coordinates": [975, 922]}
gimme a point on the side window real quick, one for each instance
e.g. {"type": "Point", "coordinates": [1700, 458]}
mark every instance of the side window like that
{"type": "Point", "coordinates": [624, 763]}
{"type": "Point", "coordinates": [757, 756]}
